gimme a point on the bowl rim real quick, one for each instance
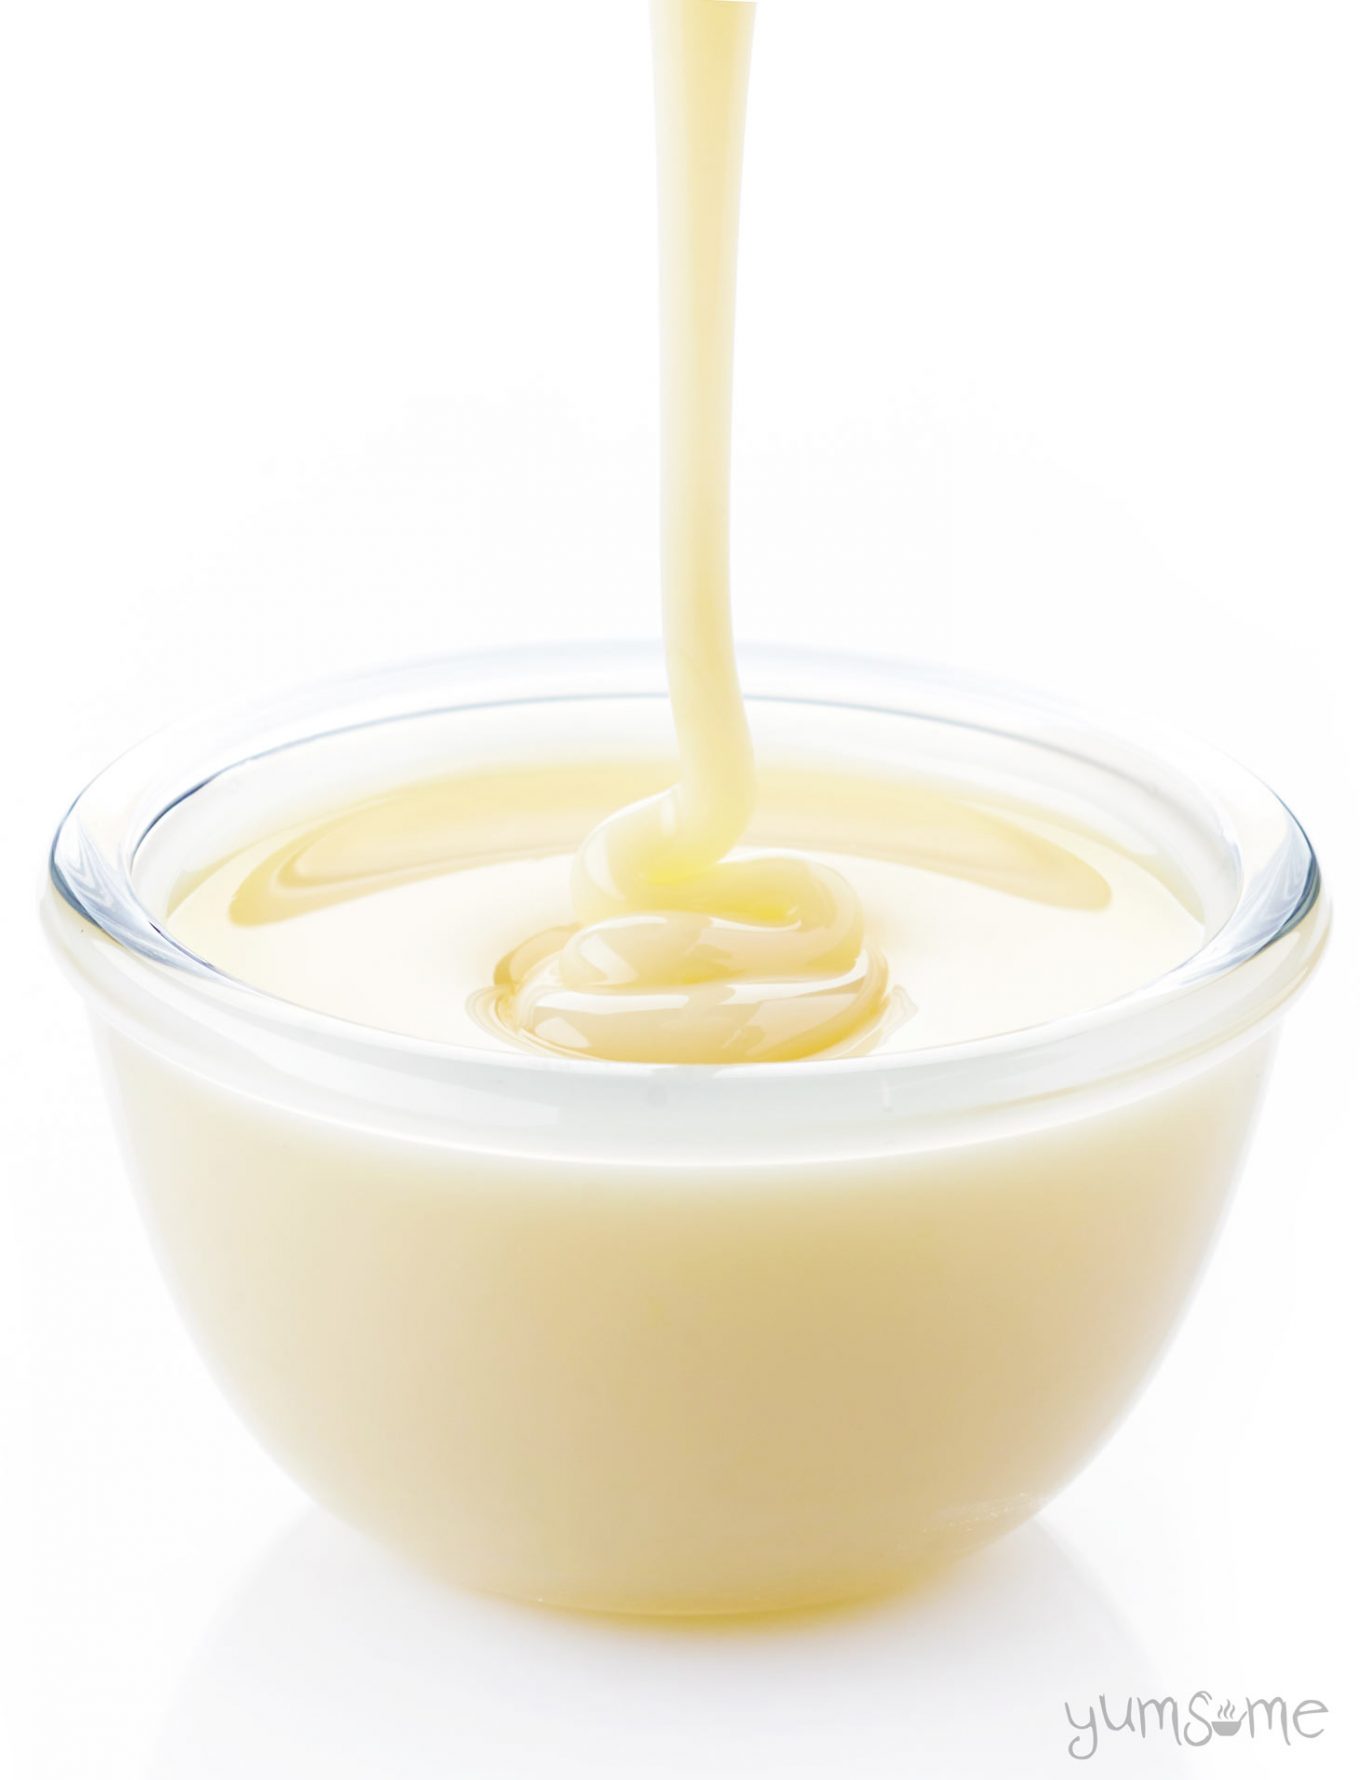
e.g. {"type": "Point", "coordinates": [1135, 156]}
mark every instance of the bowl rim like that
{"type": "Point", "coordinates": [1245, 972]}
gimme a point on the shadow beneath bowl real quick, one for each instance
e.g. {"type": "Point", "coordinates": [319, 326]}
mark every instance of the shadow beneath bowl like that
{"type": "Point", "coordinates": [335, 1658]}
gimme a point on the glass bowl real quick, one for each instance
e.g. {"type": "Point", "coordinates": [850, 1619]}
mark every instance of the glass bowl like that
{"type": "Point", "coordinates": [678, 1339]}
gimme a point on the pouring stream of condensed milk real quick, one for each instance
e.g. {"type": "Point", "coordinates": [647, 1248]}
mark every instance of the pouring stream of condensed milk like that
{"type": "Point", "coordinates": [687, 952]}
{"type": "Point", "coordinates": [665, 938]}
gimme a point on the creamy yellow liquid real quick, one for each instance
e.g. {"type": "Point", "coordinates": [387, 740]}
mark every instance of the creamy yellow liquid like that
{"type": "Point", "coordinates": [676, 1367]}
{"type": "Point", "coordinates": [679, 952]}
{"type": "Point", "coordinates": [408, 911]}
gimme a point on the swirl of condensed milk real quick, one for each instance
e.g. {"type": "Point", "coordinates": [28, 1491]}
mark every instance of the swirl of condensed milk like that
{"type": "Point", "coordinates": [684, 954]}
{"type": "Point", "coordinates": [760, 958]}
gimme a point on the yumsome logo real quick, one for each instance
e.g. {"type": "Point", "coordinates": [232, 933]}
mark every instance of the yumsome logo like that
{"type": "Point", "coordinates": [1195, 1725]}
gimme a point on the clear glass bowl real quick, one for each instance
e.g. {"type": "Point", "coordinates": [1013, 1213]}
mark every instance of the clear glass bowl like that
{"type": "Point", "coordinates": [678, 1339]}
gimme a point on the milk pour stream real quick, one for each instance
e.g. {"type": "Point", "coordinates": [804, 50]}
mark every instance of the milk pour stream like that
{"type": "Point", "coordinates": [685, 954]}
{"type": "Point", "coordinates": [982, 918]}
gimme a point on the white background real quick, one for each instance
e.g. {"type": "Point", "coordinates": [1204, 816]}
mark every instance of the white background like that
{"type": "Point", "coordinates": [328, 338]}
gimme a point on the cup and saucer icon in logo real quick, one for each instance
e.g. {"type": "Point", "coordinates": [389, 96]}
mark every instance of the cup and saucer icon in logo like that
{"type": "Point", "coordinates": [1227, 1723]}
